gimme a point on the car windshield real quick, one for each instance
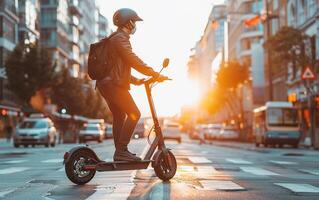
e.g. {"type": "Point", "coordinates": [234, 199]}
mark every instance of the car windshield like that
{"type": "Point", "coordinates": [282, 117]}
{"type": "Point", "coordinates": [34, 124]}
{"type": "Point", "coordinates": [91, 128]}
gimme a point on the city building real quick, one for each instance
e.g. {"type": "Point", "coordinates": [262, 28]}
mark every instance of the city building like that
{"type": "Point", "coordinates": [304, 15]}
{"type": "Point", "coordinates": [209, 46]}
{"type": "Point", "coordinates": [277, 9]}
{"type": "Point", "coordinates": [29, 20]}
{"type": "Point", "coordinates": [55, 26]}
{"type": "Point", "coordinates": [88, 24]}
{"type": "Point", "coordinates": [103, 26]}
{"type": "Point", "coordinates": [9, 20]}
{"type": "Point", "coordinates": [245, 45]}
{"type": "Point", "coordinates": [75, 32]}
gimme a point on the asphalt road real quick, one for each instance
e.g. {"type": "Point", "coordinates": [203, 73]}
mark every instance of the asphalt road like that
{"type": "Point", "coordinates": [207, 171]}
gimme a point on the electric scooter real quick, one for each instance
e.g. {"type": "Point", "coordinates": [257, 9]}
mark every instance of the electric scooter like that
{"type": "Point", "coordinates": [81, 162]}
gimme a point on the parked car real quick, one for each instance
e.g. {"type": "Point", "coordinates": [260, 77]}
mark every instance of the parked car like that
{"type": "Point", "coordinates": [212, 131]}
{"type": "Point", "coordinates": [195, 133]}
{"type": "Point", "coordinates": [172, 131]}
{"type": "Point", "coordinates": [228, 133]}
{"type": "Point", "coordinates": [139, 129]}
{"type": "Point", "coordinates": [108, 132]}
{"type": "Point", "coordinates": [35, 130]}
{"type": "Point", "coordinates": [97, 121]}
{"type": "Point", "coordinates": [91, 132]}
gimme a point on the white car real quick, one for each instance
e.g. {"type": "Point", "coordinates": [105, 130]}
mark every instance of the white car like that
{"type": "Point", "coordinates": [172, 131]}
{"type": "Point", "coordinates": [108, 131]}
{"type": "Point", "coordinates": [228, 133]}
{"type": "Point", "coordinates": [213, 131]}
{"type": "Point", "coordinates": [91, 132]}
{"type": "Point", "coordinates": [35, 130]}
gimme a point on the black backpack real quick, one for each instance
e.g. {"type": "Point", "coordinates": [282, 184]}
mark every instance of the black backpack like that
{"type": "Point", "coordinates": [100, 58]}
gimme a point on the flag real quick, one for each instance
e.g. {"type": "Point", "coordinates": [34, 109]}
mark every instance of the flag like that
{"type": "Point", "coordinates": [252, 21]}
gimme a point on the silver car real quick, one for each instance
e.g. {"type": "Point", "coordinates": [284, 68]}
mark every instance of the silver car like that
{"type": "Point", "coordinates": [34, 131]}
{"type": "Point", "coordinates": [91, 132]}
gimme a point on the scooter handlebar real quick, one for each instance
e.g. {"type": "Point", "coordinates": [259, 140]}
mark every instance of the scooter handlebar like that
{"type": "Point", "coordinates": [155, 79]}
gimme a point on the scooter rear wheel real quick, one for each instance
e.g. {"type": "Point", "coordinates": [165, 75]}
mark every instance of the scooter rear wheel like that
{"type": "Point", "coordinates": [73, 167]}
{"type": "Point", "coordinates": [163, 170]}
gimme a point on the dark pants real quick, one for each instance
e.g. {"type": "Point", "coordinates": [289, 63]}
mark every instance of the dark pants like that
{"type": "Point", "coordinates": [124, 110]}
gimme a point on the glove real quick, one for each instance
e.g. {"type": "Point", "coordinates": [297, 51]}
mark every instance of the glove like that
{"type": "Point", "coordinates": [140, 81]}
{"type": "Point", "coordinates": [162, 78]}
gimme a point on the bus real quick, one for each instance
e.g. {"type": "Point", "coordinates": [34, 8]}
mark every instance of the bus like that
{"type": "Point", "coordinates": [276, 123]}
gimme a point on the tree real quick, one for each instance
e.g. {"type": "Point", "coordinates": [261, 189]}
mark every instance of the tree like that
{"type": "Point", "coordinates": [68, 93]}
{"type": "Point", "coordinates": [29, 69]}
{"type": "Point", "coordinates": [231, 74]}
{"type": "Point", "coordinates": [78, 97]}
{"type": "Point", "coordinates": [288, 46]}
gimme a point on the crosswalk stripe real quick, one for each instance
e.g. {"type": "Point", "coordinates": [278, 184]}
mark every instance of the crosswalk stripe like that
{"type": "Point", "coordinates": [283, 162]}
{"type": "Point", "coordinates": [14, 161]}
{"type": "Point", "coordinates": [299, 188]}
{"type": "Point", "coordinates": [13, 170]}
{"type": "Point", "coordinates": [52, 161]}
{"type": "Point", "coordinates": [4, 193]}
{"type": "Point", "coordinates": [220, 185]}
{"type": "Point", "coordinates": [198, 160]}
{"type": "Point", "coordinates": [258, 171]}
{"type": "Point", "coordinates": [186, 168]}
{"type": "Point", "coordinates": [238, 161]}
{"type": "Point", "coordinates": [310, 171]}
{"type": "Point", "coordinates": [206, 169]}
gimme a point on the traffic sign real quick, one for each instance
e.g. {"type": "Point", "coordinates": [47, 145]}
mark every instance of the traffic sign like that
{"type": "Point", "coordinates": [308, 74]}
{"type": "Point", "coordinates": [3, 73]}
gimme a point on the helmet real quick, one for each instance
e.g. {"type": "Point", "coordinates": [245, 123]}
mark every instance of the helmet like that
{"type": "Point", "coordinates": [122, 16]}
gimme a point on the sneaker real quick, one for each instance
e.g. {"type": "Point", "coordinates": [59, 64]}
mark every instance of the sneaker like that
{"type": "Point", "coordinates": [134, 154]}
{"type": "Point", "coordinates": [125, 156]}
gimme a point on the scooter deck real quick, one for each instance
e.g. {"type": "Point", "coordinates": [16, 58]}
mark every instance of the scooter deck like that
{"type": "Point", "coordinates": [118, 165]}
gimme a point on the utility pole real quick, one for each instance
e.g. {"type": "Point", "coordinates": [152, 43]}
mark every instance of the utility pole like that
{"type": "Point", "coordinates": [269, 62]}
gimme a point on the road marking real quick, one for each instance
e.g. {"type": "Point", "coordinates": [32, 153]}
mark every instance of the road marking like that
{"type": "Point", "coordinates": [206, 169]}
{"type": "Point", "coordinates": [52, 161]}
{"type": "Point", "coordinates": [4, 193]}
{"type": "Point", "coordinates": [14, 161]}
{"type": "Point", "coordinates": [238, 161]}
{"type": "Point", "coordinates": [220, 185]}
{"type": "Point", "coordinates": [258, 171]}
{"type": "Point", "coordinates": [310, 171]}
{"type": "Point", "coordinates": [198, 160]}
{"type": "Point", "coordinates": [283, 162]}
{"type": "Point", "coordinates": [118, 191]}
{"type": "Point", "coordinates": [295, 187]}
{"type": "Point", "coordinates": [61, 170]}
{"type": "Point", "coordinates": [13, 170]}
{"type": "Point", "coordinates": [186, 168]}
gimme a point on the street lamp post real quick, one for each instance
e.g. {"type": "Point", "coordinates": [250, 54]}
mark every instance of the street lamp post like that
{"type": "Point", "coordinates": [269, 62]}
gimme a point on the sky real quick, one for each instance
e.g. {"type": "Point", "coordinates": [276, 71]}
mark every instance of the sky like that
{"type": "Point", "coordinates": [170, 29]}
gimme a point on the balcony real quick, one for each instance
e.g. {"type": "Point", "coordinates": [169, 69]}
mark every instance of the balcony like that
{"type": "Point", "coordinates": [74, 8]}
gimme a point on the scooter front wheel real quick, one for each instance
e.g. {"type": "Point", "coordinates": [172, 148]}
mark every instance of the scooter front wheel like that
{"type": "Point", "coordinates": [165, 168]}
{"type": "Point", "coordinates": [74, 167]}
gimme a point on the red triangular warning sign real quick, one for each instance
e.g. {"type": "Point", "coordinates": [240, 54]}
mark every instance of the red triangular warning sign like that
{"type": "Point", "coordinates": [308, 74]}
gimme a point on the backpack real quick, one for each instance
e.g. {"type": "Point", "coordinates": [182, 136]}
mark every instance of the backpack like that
{"type": "Point", "coordinates": [99, 60]}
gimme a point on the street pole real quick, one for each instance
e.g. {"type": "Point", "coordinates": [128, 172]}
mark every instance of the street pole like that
{"type": "Point", "coordinates": [311, 115]}
{"type": "Point", "coordinates": [269, 63]}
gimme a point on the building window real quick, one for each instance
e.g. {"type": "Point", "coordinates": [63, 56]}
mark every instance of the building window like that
{"type": "Point", "coordinates": [274, 26]}
{"type": "Point", "coordinates": [275, 4]}
{"type": "Point", "coordinates": [8, 30]}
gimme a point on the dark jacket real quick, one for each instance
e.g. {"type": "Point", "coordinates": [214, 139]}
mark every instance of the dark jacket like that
{"type": "Point", "coordinates": [123, 59]}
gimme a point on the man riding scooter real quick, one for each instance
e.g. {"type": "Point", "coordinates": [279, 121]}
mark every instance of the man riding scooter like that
{"type": "Point", "coordinates": [116, 85]}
